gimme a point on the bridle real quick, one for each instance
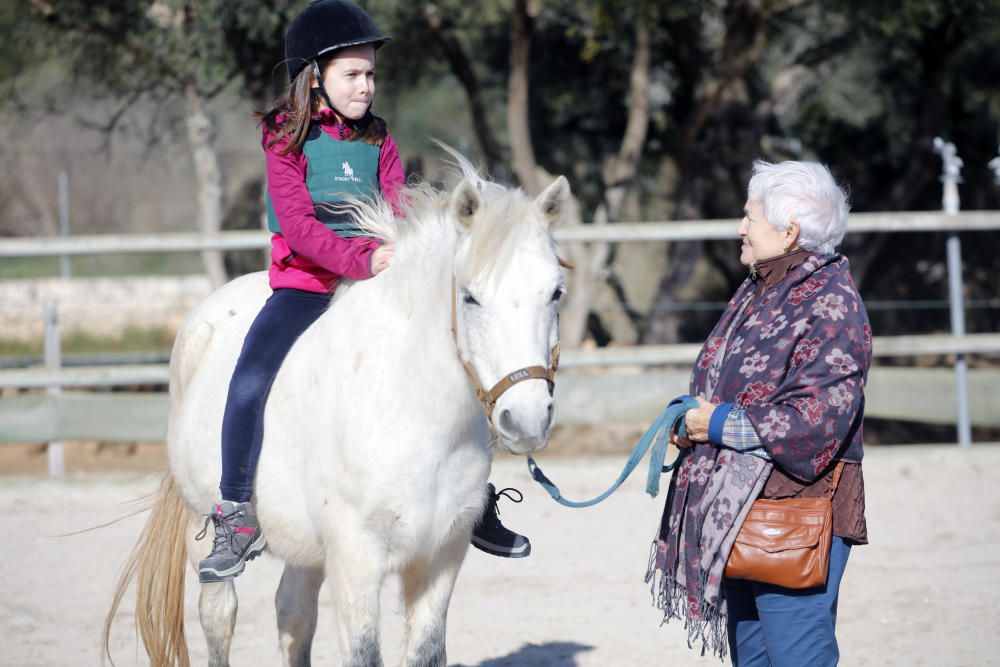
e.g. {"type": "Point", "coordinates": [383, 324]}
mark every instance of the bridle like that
{"type": "Point", "coordinates": [489, 398]}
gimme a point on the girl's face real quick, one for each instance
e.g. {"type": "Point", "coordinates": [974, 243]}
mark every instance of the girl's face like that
{"type": "Point", "coordinates": [761, 240]}
{"type": "Point", "coordinates": [349, 79]}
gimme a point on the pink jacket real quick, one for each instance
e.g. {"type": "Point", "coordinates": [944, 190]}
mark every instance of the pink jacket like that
{"type": "Point", "coordinates": [307, 255]}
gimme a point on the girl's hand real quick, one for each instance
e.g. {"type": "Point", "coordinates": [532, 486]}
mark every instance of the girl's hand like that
{"type": "Point", "coordinates": [381, 258]}
{"type": "Point", "coordinates": [696, 421]}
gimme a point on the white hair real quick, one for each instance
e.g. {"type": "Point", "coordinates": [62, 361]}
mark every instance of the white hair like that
{"type": "Point", "coordinates": [806, 193]}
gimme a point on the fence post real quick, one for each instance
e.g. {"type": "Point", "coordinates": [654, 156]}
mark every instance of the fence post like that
{"type": "Point", "coordinates": [951, 177]}
{"type": "Point", "coordinates": [53, 360]}
{"type": "Point", "coordinates": [64, 219]}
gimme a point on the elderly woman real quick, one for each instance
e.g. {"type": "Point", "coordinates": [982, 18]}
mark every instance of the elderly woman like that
{"type": "Point", "coordinates": [780, 386]}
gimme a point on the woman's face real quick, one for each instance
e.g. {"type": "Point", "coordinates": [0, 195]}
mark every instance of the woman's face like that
{"type": "Point", "coordinates": [760, 239]}
{"type": "Point", "coordinates": [349, 79]}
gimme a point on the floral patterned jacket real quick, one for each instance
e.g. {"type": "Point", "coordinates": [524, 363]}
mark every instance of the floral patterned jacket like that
{"type": "Point", "coordinates": [796, 359]}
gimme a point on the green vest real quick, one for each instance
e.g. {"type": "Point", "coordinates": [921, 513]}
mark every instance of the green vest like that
{"type": "Point", "coordinates": [335, 169]}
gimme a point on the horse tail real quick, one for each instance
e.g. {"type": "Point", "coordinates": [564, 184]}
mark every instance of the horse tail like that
{"type": "Point", "coordinates": [157, 566]}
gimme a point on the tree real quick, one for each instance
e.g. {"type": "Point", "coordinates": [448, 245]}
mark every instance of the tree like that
{"type": "Point", "coordinates": [653, 110]}
{"type": "Point", "coordinates": [180, 54]}
{"type": "Point", "coordinates": [570, 35]}
{"type": "Point", "coordinates": [860, 86]}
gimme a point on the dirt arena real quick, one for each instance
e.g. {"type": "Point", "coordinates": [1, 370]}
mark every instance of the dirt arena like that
{"type": "Point", "coordinates": [923, 593]}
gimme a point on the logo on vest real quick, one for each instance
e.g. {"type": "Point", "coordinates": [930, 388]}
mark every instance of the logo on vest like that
{"type": "Point", "coordinates": [771, 532]}
{"type": "Point", "coordinates": [348, 173]}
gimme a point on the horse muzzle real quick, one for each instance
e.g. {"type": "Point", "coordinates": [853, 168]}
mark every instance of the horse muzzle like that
{"type": "Point", "coordinates": [523, 425]}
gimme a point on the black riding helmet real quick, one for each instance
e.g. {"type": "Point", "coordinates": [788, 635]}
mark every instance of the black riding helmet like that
{"type": "Point", "coordinates": [325, 26]}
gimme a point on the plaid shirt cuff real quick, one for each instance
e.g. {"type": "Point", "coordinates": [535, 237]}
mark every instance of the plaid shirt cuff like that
{"type": "Point", "coordinates": [738, 434]}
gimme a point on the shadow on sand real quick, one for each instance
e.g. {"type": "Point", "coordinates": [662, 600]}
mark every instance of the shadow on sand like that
{"type": "Point", "coordinates": [551, 654]}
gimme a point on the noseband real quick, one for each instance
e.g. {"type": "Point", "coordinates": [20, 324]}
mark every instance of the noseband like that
{"type": "Point", "coordinates": [489, 398]}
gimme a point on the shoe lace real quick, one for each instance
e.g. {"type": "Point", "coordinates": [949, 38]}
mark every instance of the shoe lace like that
{"type": "Point", "coordinates": [505, 493]}
{"type": "Point", "coordinates": [224, 533]}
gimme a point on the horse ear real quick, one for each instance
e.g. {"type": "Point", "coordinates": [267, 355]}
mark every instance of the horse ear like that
{"type": "Point", "coordinates": [554, 201]}
{"type": "Point", "coordinates": [465, 202]}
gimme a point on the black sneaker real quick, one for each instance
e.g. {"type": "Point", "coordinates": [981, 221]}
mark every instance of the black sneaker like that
{"type": "Point", "coordinates": [238, 538]}
{"type": "Point", "coordinates": [491, 536]}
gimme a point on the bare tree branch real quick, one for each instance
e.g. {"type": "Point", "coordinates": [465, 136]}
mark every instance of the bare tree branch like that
{"type": "Point", "coordinates": [461, 67]}
{"type": "Point", "coordinates": [623, 169]}
{"type": "Point", "coordinates": [108, 127]}
{"type": "Point", "coordinates": [226, 80]}
{"type": "Point", "coordinates": [76, 24]}
{"type": "Point", "coordinates": [822, 52]}
{"type": "Point", "coordinates": [521, 149]}
{"type": "Point", "coordinates": [618, 178]}
{"type": "Point", "coordinates": [744, 46]}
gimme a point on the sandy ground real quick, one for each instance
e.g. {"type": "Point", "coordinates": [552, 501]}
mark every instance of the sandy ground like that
{"type": "Point", "coordinates": [923, 593]}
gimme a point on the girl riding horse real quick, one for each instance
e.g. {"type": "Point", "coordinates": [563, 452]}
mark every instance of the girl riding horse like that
{"type": "Point", "coordinates": [322, 145]}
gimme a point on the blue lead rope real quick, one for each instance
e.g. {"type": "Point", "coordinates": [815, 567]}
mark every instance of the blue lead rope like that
{"type": "Point", "coordinates": [671, 419]}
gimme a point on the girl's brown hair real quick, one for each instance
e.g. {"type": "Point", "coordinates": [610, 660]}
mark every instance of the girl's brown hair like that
{"type": "Point", "coordinates": [299, 103]}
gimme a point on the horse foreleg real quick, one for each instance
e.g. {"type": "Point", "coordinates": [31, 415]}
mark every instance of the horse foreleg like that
{"type": "Point", "coordinates": [355, 575]}
{"type": "Point", "coordinates": [296, 603]}
{"type": "Point", "coordinates": [427, 588]}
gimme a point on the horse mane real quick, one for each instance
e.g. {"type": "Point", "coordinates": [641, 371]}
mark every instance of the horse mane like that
{"type": "Point", "coordinates": [505, 214]}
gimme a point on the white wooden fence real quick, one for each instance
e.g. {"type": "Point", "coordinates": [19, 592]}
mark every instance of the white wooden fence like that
{"type": "Point", "coordinates": [622, 232]}
{"type": "Point", "coordinates": [893, 392]}
{"type": "Point", "coordinates": [636, 378]}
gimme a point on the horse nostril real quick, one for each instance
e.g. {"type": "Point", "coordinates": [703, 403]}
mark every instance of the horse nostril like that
{"type": "Point", "coordinates": [506, 421]}
{"type": "Point", "coordinates": [551, 415]}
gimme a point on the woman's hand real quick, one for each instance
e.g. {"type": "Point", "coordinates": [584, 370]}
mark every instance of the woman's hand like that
{"type": "Point", "coordinates": [696, 420]}
{"type": "Point", "coordinates": [381, 258]}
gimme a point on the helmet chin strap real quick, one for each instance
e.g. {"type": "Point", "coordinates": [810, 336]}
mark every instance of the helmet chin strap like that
{"type": "Point", "coordinates": [322, 89]}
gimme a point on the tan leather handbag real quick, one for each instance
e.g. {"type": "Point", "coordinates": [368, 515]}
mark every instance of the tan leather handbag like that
{"type": "Point", "coordinates": [786, 542]}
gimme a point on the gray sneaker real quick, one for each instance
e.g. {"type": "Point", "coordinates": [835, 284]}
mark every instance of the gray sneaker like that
{"type": "Point", "coordinates": [493, 537]}
{"type": "Point", "coordinates": [237, 539]}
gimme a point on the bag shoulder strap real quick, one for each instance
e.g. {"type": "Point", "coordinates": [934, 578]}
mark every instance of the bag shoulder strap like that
{"type": "Point", "coordinates": [836, 479]}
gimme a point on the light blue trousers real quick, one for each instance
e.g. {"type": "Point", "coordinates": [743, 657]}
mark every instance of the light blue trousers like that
{"type": "Point", "coordinates": [773, 626]}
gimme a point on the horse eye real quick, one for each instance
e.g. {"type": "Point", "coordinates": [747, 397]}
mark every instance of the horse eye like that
{"type": "Point", "coordinates": [469, 299]}
{"type": "Point", "coordinates": [558, 294]}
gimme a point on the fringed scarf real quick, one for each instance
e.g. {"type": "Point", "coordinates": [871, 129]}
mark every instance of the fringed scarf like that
{"type": "Point", "coordinates": [795, 356]}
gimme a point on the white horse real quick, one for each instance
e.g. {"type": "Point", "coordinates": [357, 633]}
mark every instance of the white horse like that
{"type": "Point", "coordinates": [376, 453]}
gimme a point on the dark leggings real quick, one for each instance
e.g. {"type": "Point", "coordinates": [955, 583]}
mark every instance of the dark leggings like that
{"type": "Point", "coordinates": [286, 314]}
